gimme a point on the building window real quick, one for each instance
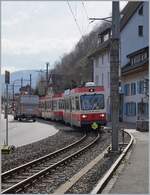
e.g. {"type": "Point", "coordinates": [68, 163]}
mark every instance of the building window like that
{"type": "Point", "coordinates": [96, 63]}
{"type": "Point", "coordinates": [97, 80]}
{"type": "Point", "coordinates": [102, 59]}
{"type": "Point", "coordinates": [130, 109]}
{"type": "Point", "coordinates": [138, 58]}
{"type": "Point", "coordinates": [146, 86]}
{"type": "Point", "coordinates": [133, 88]}
{"type": "Point", "coordinates": [140, 87]}
{"type": "Point", "coordinates": [102, 79]}
{"type": "Point", "coordinates": [143, 109]}
{"type": "Point", "coordinates": [141, 10]}
{"type": "Point", "coordinates": [140, 30]}
{"type": "Point", "coordinates": [108, 56]}
{"type": "Point", "coordinates": [108, 79]}
{"type": "Point", "coordinates": [126, 89]}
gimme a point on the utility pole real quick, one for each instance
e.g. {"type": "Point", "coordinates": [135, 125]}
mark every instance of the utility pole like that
{"type": "Point", "coordinates": [30, 82]}
{"type": "Point", "coordinates": [7, 81]}
{"type": "Point", "coordinates": [6, 114]}
{"type": "Point", "coordinates": [13, 88]}
{"type": "Point", "coordinates": [47, 64]}
{"type": "Point", "coordinates": [114, 74]}
{"type": "Point", "coordinates": [47, 80]}
{"type": "Point", "coordinates": [21, 82]}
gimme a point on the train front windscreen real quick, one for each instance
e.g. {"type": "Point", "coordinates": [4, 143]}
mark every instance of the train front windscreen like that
{"type": "Point", "coordinates": [92, 101]}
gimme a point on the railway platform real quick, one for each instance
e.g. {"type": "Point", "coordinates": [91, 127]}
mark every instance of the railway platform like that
{"type": "Point", "coordinates": [132, 176]}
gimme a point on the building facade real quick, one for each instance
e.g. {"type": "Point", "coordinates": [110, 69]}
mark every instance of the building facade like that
{"type": "Point", "coordinates": [101, 66]}
{"type": "Point", "coordinates": [135, 60]}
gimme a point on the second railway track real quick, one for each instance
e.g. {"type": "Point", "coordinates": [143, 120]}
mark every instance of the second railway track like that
{"type": "Point", "coordinates": [20, 178]}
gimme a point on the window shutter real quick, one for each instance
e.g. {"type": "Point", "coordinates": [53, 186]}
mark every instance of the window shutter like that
{"type": "Point", "coordinates": [125, 109]}
{"type": "Point", "coordinates": [138, 87]}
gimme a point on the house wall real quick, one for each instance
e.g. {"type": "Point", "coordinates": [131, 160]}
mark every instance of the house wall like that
{"type": "Point", "coordinates": [130, 40]}
{"type": "Point", "coordinates": [128, 79]}
{"type": "Point", "coordinates": [102, 75]}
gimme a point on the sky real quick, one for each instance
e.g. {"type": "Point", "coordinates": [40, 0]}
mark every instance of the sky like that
{"type": "Point", "coordinates": [36, 32]}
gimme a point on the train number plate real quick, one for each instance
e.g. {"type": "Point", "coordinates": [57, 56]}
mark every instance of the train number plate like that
{"type": "Point", "coordinates": [94, 125]}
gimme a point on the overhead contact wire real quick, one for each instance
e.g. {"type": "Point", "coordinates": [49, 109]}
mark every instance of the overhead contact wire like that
{"type": "Point", "coordinates": [74, 18]}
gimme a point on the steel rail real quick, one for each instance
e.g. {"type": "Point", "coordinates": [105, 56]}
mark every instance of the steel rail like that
{"type": "Point", "coordinates": [43, 158]}
{"type": "Point", "coordinates": [30, 180]}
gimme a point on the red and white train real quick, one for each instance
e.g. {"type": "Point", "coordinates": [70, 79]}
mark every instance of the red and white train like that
{"type": "Point", "coordinates": [82, 106]}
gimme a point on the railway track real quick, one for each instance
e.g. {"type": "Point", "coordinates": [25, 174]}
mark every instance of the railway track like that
{"type": "Point", "coordinates": [20, 178]}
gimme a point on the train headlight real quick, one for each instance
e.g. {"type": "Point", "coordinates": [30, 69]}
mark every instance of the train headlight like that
{"type": "Point", "coordinates": [84, 116]}
{"type": "Point", "coordinates": [102, 115]}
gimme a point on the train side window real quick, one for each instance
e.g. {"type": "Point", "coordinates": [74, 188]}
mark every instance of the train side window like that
{"type": "Point", "coordinates": [54, 106]}
{"type": "Point", "coordinates": [70, 104]}
{"type": "Point", "coordinates": [73, 103]}
{"type": "Point", "coordinates": [77, 103]}
{"type": "Point", "coordinates": [65, 105]}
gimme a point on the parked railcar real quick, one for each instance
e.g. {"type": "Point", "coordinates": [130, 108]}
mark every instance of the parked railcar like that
{"type": "Point", "coordinates": [26, 107]}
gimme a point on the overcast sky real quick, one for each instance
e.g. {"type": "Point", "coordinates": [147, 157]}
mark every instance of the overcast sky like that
{"type": "Point", "coordinates": [36, 32]}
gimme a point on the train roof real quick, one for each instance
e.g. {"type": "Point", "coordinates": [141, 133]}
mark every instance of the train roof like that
{"type": "Point", "coordinates": [88, 89]}
{"type": "Point", "coordinates": [58, 95]}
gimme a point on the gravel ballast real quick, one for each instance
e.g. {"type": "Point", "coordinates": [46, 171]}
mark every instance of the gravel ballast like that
{"type": "Point", "coordinates": [40, 148]}
{"type": "Point", "coordinates": [50, 183]}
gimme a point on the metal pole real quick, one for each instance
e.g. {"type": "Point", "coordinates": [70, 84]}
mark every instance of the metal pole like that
{"type": "Point", "coordinates": [47, 64]}
{"type": "Point", "coordinates": [30, 82]}
{"type": "Point", "coordinates": [13, 95]}
{"type": "Point", "coordinates": [21, 82]}
{"type": "Point", "coordinates": [13, 92]}
{"type": "Point", "coordinates": [114, 74]}
{"type": "Point", "coordinates": [7, 114]}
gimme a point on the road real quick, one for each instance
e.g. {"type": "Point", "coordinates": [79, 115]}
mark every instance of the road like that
{"type": "Point", "coordinates": [22, 133]}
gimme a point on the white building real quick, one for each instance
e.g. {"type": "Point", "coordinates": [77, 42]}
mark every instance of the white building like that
{"type": "Point", "coordinates": [134, 60]}
{"type": "Point", "coordinates": [134, 47]}
{"type": "Point", "coordinates": [101, 65]}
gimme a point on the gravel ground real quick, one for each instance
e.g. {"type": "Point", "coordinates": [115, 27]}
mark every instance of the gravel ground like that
{"type": "Point", "coordinates": [50, 183]}
{"type": "Point", "coordinates": [90, 179]}
{"type": "Point", "coordinates": [60, 175]}
{"type": "Point", "coordinates": [40, 148]}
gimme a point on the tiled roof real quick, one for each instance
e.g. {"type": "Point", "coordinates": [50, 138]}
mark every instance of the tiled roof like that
{"type": "Point", "coordinates": [105, 45]}
{"type": "Point", "coordinates": [128, 12]}
{"type": "Point", "coordinates": [138, 52]}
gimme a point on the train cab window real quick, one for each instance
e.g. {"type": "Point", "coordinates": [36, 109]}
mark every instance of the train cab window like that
{"type": "Point", "coordinates": [92, 102]}
{"type": "Point", "coordinates": [77, 103]}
